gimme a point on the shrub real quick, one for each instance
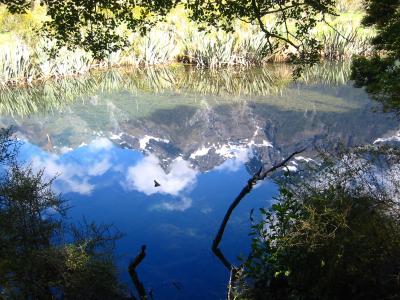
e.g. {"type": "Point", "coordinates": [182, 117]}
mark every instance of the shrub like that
{"type": "Point", "coordinates": [41, 256]}
{"type": "Point", "coordinates": [333, 234]}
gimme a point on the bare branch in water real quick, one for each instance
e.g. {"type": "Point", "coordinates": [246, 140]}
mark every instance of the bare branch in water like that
{"type": "Point", "coordinates": [260, 175]}
{"type": "Point", "coordinates": [135, 278]}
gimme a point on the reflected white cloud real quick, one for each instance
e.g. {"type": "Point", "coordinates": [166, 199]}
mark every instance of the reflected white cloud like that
{"type": "Point", "coordinates": [99, 168]}
{"type": "Point", "coordinates": [206, 210]}
{"type": "Point", "coordinates": [64, 149]}
{"type": "Point", "coordinates": [73, 175]}
{"type": "Point", "coordinates": [141, 176]}
{"type": "Point", "coordinates": [180, 205]}
{"type": "Point", "coordinates": [100, 144]}
{"type": "Point", "coordinates": [173, 230]}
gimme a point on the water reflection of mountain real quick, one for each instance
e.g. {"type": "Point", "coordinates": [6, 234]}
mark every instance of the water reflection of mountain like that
{"type": "Point", "coordinates": [200, 116]}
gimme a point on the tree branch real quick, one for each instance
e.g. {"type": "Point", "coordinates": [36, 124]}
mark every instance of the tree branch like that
{"type": "Point", "coordinates": [281, 9]}
{"type": "Point", "coordinates": [135, 278]}
{"type": "Point", "coordinates": [260, 175]}
{"type": "Point", "coordinates": [265, 30]}
{"type": "Point", "coordinates": [337, 31]}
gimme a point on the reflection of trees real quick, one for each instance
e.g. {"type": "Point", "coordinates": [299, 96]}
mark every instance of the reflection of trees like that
{"type": "Point", "coordinates": [217, 127]}
{"type": "Point", "coordinates": [379, 73]}
{"type": "Point", "coordinates": [327, 73]}
{"type": "Point", "coordinates": [178, 104]}
{"type": "Point", "coordinates": [43, 255]}
{"type": "Point", "coordinates": [54, 95]}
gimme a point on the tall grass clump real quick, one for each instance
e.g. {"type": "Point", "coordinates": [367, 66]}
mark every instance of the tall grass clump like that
{"type": "Point", "coordinates": [158, 47]}
{"type": "Point", "coordinates": [20, 64]}
{"type": "Point", "coordinates": [66, 63]}
{"type": "Point", "coordinates": [220, 49]}
{"type": "Point", "coordinates": [343, 40]}
{"type": "Point", "coordinates": [15, 64]}
{"type": "Point", "coordinates": [177, 39]}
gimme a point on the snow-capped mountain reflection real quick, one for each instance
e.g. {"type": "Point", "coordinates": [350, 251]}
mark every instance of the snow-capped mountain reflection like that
{"type": "Point", "coordinates": [77, 170]}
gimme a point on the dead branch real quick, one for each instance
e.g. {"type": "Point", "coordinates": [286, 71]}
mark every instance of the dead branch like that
{"type": "Point", "coordinates": [135, 278]}
{"type": "Point", "coordinates": [260, 175]}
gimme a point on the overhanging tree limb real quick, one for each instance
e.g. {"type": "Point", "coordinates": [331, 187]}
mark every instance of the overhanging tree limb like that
{"type": "Point", "coordinates": [265, 30]}
{"type": "Point", "coordinates": [260, 175]}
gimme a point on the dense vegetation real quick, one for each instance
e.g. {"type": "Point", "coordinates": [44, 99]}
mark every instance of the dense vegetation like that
{"type": "Point", "coordinates": [24, 56]}
{"type": "Point", "coordinates": [380, 73]}
{"type": "Point", "coordinates": [41, 255]}
{"type": "Point", "coordinates": [98, 26]}
{"type": "Point", "coordinates": [333, 235]}
{"type": "Point", "coordinates": [333, 232]}
{"type": "Point", "coordinates": [107, 33]}
{"type": "Point", "coordinates": [206, 33]}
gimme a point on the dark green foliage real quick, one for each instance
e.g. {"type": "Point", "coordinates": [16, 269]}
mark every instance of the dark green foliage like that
{"type": "Point", "coordinates": [292, 23]}
{"type": "Point", "coordinates": [36, 261]}
{"type": "Point", "coordinates": [25, 232]}
{"type": "Point", "coordinates": [97, 26]}
{"type": "Point", "coordinates": [16, 6]}
{"type": "Point", "coordinates": [334, 237]}
{"type": "Point", "coordinates": [385, 16]}
{"type": "Point", "coordinates": [380, 73]}
{"type": "Point", "coordinates": [380, 77]}
{"type": "Point", "coordinates": [91, 25]}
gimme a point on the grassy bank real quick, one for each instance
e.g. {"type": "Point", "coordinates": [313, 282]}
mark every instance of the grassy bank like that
{"type": "Point", "coordinates": [23, 56]}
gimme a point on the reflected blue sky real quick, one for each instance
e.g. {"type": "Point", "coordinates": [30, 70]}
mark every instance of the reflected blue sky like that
{"type": "Point", "coordinates": [108, 140]}
{"type": "Point", "coordinates": [177, 221]}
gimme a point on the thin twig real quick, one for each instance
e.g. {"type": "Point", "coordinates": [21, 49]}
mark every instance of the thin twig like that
{"type": "Point", "coordinates": [336, 30]}
{"type": "Point", "coordinates": [265, 30]}
{"type": "Point", "coordinates": [260, 175]}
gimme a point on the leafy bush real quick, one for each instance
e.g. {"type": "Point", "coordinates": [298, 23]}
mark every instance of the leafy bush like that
{"type": "Point", "coordinates": [36, 259]}
{"type": "Point", "coordinates": [380, 73]}
{"type": "Point", "coordinates": [334, 235]}
{"type": "Point", "coordinates": [380, 77]}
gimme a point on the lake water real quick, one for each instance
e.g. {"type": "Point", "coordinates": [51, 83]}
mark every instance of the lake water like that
{"type": "Point", "coordinates": [199, 133]}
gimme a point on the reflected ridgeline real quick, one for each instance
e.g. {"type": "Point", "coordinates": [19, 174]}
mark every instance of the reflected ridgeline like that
{"type": "Point", "coordinates": [203, 116]}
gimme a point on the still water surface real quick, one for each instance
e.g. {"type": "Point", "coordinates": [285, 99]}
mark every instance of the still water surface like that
{"type": "Point", "coordinates": [201, 134]}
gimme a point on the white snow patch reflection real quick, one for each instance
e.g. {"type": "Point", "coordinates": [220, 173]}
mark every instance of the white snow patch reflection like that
{"type": "Point", "coordinates": [146, 139]}
{"type": "Point", "coordinates": [394, 138]}
{"type": "Point", "coordinates": [200, 152]}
